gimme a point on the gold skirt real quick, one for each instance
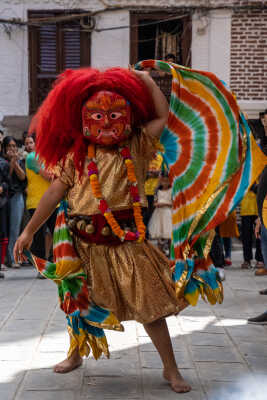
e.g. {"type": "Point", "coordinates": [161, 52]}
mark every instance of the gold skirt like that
{"type": "Point", "coordinates": [132, 280]}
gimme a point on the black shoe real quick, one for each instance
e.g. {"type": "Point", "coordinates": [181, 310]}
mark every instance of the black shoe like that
{"type": "Point", "coordinates": [40, 276]}
{"type": "Point", "coordinates": [2, 275]}
{"type": "Point", "coordinates": [259, 320]}
{"type": "Point", "coordinates": [26, 264]}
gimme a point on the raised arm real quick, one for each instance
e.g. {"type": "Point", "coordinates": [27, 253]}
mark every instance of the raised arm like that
{"type": "Point", "coordinates": [47, 205]}
{"type": "Point", "coordinates": [155, 127]}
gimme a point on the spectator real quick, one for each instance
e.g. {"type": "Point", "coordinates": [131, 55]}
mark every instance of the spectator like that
{"type": "Point", "coordinates": [151, 184]}
{"type": "Point", "coordinates": [1, 140]}
{"type": "Point", "coordinates": [216, 254]}
{"type": "Point", "coordinates": [170, 58]}
{"type": "Point", "coordinates": [249, 213]}
{"type": "Point", "coordinates": [4, 180]}
{"type": "Point", "coordinates": [28, 147]}
{"type": "Point", "coordinates": [263, 139]}
{"type": "Point", "coordinates": [17, 185]}
{"type": "Point", "coordinates": [38, 183]}
{"type": "Point", "coordinates": [228, 229]}
{"type": "Point", "coordinates": [160, 224]}
{"type": "Point", "coordinates": [261, 225]}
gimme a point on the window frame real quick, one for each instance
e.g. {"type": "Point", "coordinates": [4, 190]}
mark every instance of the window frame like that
{"type": "Point", "coordinates": [136, 16]}
{"type": "Point", "coordinates": [34, 51]}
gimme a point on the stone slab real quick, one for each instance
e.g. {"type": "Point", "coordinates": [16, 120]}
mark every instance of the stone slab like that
{"type": "Point", "coordinates": [213, 353]}
{"type": "Point", "coordinates": [46, 379]}
{"type": "Point", "coordinates": [221, 372]}
{"type": "Point", "coordinates": [152, 360]}
{"type": "Point", "coordinates": [47, 395]}
{"type": "Point", "coordinates": [110, 387]}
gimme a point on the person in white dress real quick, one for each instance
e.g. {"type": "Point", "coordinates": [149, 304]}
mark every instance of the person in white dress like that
{"type": "Point", "coordinates": [160, 224]}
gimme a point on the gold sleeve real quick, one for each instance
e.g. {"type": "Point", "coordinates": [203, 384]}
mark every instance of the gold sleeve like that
{"type": "Point", "coordinates": [65, 170]}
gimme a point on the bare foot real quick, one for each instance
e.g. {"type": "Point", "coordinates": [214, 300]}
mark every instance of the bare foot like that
{"type": "Point", "coordinates": [69, 364]}
{"type": "Point", "coordinates": [177, 382]}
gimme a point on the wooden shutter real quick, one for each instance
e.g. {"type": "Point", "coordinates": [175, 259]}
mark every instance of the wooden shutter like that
{"type": "Point", "coordinates": [47, 49]}
{"type": "Point", "coordinates": [53, 48]}
{"type": "Point", "coordinates": [72, 46]}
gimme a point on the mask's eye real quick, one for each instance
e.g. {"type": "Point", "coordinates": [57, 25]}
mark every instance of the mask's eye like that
{"type": "Point", "coordinates": [115, 115]}
{"type": "Point", "coordinates": [96, 116]}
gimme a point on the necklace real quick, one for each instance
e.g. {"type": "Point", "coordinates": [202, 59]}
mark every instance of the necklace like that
{"type": "Point", "coordinates": [103, 205]}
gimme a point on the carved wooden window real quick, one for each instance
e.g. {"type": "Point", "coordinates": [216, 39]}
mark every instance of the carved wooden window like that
{"type": "Point", "coordinates": [53, 47]}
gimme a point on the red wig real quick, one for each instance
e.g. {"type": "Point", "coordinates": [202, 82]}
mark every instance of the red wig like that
{"type": "Point", "coordinates": [58, 122]}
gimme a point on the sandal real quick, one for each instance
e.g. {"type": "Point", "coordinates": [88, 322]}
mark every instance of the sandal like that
{"type": "Point", "coordinates": [245, 265]}
{"type": "Point", "coordinates": [259, 264]}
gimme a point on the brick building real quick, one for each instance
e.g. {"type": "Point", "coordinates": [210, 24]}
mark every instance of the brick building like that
{"type": "Point", "coordinates": [38, 39]}
{"type": "Point", "coordinates": [248, 76]}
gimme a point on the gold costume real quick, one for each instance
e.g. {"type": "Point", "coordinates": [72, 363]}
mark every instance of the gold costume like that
{"type": "Point", "coordinates": [132, 280]}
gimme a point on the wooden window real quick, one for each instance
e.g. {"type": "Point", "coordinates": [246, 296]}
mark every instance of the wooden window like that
{"type": "Point", "coordinates": [151, 37]}
{"type": "Point", "coordinates": [53, 47]}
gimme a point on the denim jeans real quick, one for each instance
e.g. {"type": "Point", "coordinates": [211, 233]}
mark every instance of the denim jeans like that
{"type": "Point", "coordinates": [15, 212]}
{"type": "Point", "coordinates": [264, 244]}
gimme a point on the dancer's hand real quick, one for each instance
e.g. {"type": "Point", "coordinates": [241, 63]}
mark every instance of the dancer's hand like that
{"type": "Point", "coordinates": [23, 242]}
{"type": "Point", "coordinates": [155, 126]}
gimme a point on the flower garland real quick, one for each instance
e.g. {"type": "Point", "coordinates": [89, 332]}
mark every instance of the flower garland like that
{"type": "Point", "coordinates": [103, 205]}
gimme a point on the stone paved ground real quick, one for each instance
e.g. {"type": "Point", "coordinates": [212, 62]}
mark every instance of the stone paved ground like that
{"type": "Point", "coordinates": [214, 347]}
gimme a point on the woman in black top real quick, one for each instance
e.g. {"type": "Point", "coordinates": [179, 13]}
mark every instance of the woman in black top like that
{"type": "Point", "coordinates": [17, 185]}
{"type": "Point", "coordinates": [4, 181]}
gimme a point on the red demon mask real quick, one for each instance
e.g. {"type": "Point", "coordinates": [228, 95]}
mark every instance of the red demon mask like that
{"type": "Point", "coordinates": [106, 118]}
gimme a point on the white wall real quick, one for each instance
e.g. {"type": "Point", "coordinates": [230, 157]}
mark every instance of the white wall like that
{"type": "Point", "coordinates": [111, 48]}
{"type": "Point", "coordinates": [211, 43]}
{"type": "Point", "coordinates": [13, 65]}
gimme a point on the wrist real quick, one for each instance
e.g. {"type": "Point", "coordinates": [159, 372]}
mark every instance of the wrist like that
{"type": "Point", "coordinates": [28, 230]}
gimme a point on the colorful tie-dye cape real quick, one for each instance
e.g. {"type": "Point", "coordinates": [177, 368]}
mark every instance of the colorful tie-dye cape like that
{"type": "Point", "coordinates": [86, 320]}
{"type": "Point", "coordinates": [212, 159]}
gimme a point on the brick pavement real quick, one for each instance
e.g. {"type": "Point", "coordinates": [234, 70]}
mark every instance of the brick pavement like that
{"type": "Point", "coordinates": [213, 346]}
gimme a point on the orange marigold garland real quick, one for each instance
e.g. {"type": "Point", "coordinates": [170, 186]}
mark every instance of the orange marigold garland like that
{"type": "Point", "coordinates": [103, 206]}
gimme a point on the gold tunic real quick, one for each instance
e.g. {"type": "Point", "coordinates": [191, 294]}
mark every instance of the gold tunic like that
{"type": "Point", "coordinates": [112, 177]}
{"type": "Point", "coordinates": [132, 280]}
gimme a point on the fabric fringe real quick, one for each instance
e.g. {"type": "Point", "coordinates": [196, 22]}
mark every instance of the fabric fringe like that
{"type": "Point", "coordinates": [87, 343]}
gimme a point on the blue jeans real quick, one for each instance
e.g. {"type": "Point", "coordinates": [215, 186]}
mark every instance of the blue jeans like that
{"type": "Point", "coordinates": [15, 212]}
{"type": "Point", "coordinates": [264, 244]}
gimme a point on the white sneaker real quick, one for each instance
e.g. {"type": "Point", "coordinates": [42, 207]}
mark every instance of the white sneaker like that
{"type": "Point", "coordinates": [15, 265]}
{"type": "Point", "coordinates": [221, 273]}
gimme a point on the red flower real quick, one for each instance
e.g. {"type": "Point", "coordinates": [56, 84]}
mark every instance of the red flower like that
{"type": "Point", "coordinates": [134, 191]}
{"type": "Point", "coordinates": [125, 152]}
{"type": "Point", "coordinates": [130, 236]}
{"type": "Point", "coordinates": [92, 166]}
{"type": "Point", "coordinates": [103, 206]}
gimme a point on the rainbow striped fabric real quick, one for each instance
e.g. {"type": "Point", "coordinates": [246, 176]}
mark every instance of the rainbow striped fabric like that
{"type": "Point", "coordinates": [212, 159]}
{"type": "Point", "coordinates": [86, 320]}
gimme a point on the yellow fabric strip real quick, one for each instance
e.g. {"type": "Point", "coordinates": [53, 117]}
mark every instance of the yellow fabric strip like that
{"type": "Point", "coordinates": [86, 342]}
